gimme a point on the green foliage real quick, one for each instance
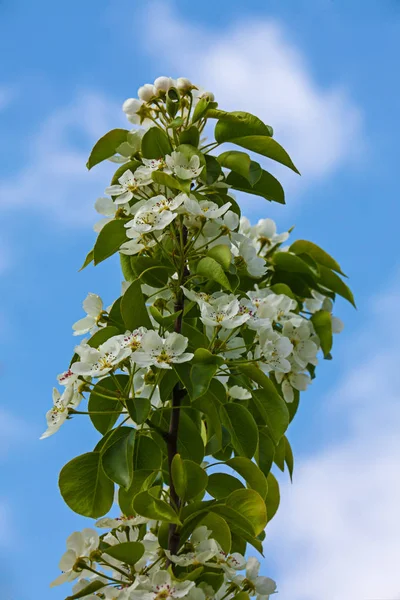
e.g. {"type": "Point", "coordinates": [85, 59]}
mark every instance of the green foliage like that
{"type": "Point", "coordinates": [109, 240]}
{"type": "Point", "coordinates": [155, 143]}
{"type": "Point", "coordinates": [133, 308]}
{"type": "Point", "coordinates": [242, 427]}
{"type": "Point", "coordinates": [117, 460]}
{"type": "Point", "coordinates": [266, 186]}
{"type": "Point", "coordinates": [91, 588]}
{"type": "Point", "coordinates": [127, 552]}
{"type": "Point", "coordinates": [107, 146]}
{"type": "Point", "coordinates": [85, 487]}
{"type": "Point", "coordinates": [242, 165]}
{"type": "Point", "coordinates": [211, 269]}
{"type": "Point", "coordinates": [322, 321]}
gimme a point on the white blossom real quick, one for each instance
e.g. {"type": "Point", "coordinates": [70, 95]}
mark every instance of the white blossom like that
{"type": "Point", "coordinates": [201, 211]}
{"type": "Point", "coordinates": [183, 167]}
{"type": "Point", "coordinates": [290, 381]}
{"type": "Point", "coordinates": [79, 546]}
{"type": "Point", "coordinates": [161, 587]}
{"type": "Point", "coordinates": [239, 393]}
{"type": "Point", "coordinates": [275, 349]}
{"type": "Point", "coordinates": [162, 352]}
{"type": "Point", "coordinates": [262, 586]}
{"type": "Point", "coordinates": [146, 92]}
{"type": "Point", "coordinates": [97, 362]}
{"type": "Point", "coordinates": [246, 252]}
{"type": "Point", "coordinates": [304, 349]}
{"type": "Point", "coordinates": [223, 312]}
{"type": "Point", "coordinates": [129, 184]}
{"type": "Point", "coordinates": [93, 306]}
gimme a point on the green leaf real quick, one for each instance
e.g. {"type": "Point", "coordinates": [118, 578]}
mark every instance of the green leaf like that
{"type": "Point", "coordinates": [200, 109]}
{"type": "Point", "coordinates": [319, 255]}
{"type": "Point", "coordinates": [269, 403]}
{"type": "Point", "coordinates": [147, 454]}
{"type": "Point", "coordinates": [142, 480]}
{"type": "Point", "coordinates": [273, 411]}
{"type": "Point", "coordinates": [101, 336]}
{"type": "Point", "coordinates": [92, 587]}
{"type": "Point", "coordinates": [151, 270]}
{"type": "Point", "coordinates": [165, 321]}
{"type": "Point", "coordinates": [220, 485]}
{"type": "Point", "coordinates": [97, 403]}
{"type": "Point", "coordinates": [190, 136]}
{"type": "Point", "coordinates": [251, 473]}
{"type": "Point", "coordinates": [170, 182]}
{"type": "Point", "coordinates": [251, 506]}
{"type": "Point", "coordinates": [106, 146]}
{"type": "Point", "coordinates": [289, 458]}
{"type": "Point", "coordinates": [330, 280]}
{"type": "Point", "coordinates": [197, 339]}
{"type": "Point", "coordinates": [242, 428]}
{"type": "Point", "coordinates": [222, 254]}
{"type": "Point", "coordinates": [109, 240]}
{"type": "Point", "coordinates": [267, 186]}
{"type": "Point", "coordinates": [265, 451]}
{"type": "Point", "coordinates": [266, 146]}
{"type": "Point", "coordinates": [155, 143]}
{"type": "Point", "coordinates": [178, 473]}
{"type": "Point", "coordinates": [138, 409]}
{"type": "Point", "coordinates": [190, 442]}
{"type": "Point", "coordinates": [196, 479]}
{"type": "Point", "coordinates": [273, 497]}
{"type": "Point", "coordinates": [126, 267]}
{"type": "Point", "coordinates": [286, 261]}
{"type": "Point", "coordinates": [202, 372]}
{"type": "Point", "coordinates": [220, 530]}
{"type": "Point", "coordinates": [213, 169]}
{"type": "Point", "coordinates": [89, 258]}
{"type": "Point", "coordinates": [242, 596]}
{"type": "Point", "coordinates": [322, 321]}
{"type": "Point", "coordinates": [85, 487]}
{"type": "Point", "coordinates": [117, 460]}
{"type": "Point", "coordinates": [115, 317]}
{"type": "Point", "coordinates": [238, 124]}
{"type": "Point", "coordinates": [110, 437]}
{"type": "Point", "coordinates": [153, 508]}
{"type": "Point", "coordinates": [211, 269]}
{"type": "Point", "coordinates": [126, 552]}
{"type": "Point", "coordinates": [242, 165]}
{"type": "Point", "coordinates": [133, 308]}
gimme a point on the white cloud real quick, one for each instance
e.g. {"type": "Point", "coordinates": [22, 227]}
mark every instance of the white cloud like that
{"type": "Point", "coordinates": [251, 65]}
{"type": "Point", "coordinates": [55, 179]}
{"type": "Point", "coordinates": [337, 534]}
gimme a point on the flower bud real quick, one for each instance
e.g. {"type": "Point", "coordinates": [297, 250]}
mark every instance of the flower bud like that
{"type": "Point", "coordinates": [208, 96]}
{"type": "Point", "coordinates": [162, 84]}
{"type": "Point", "coordinates": [146, 92]}
{"type": "Point", "coordinates": [131, 106]}
{"type": "Point", "coordinates": [184, 85]}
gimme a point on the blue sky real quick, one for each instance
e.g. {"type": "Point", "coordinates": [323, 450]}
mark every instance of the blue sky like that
{"type": "Point", "coordinates": [324, 74]}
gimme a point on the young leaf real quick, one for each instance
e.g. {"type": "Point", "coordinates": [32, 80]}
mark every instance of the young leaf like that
{"type": "Point", "coordinates": [322, 321]}
{"type": "Point", "coordinates": [196, 479]}
{"type": "Point", "coordinates": [171, 182]}
{"type": "Point", "coordinates": [153, 508]}
{"type": "Point", "coordinates": [106, 146]}
{"type": "Point", "coordinates": [222, 254]}
{"type": "Point", "coordinates": [178, 473]}
{"type": "Point", "coordinates": [85, 487]}
{"type": "Point", "coordinates": [88, 259]}
{"type": "Point", "coordinates": [273, 411]}
{"type": "Point", "coordinates": [266, 146]}
{"type": "Point", "coordinates": [220, 530]}
{"type": "Point", "coordinates": [211, 269]}
{"type": "Point", "coordinates": [251, 506]}
{"type": "Point", "coordinates": [286, 261]}
{"type": "Point", "coordinates": [109, 240]}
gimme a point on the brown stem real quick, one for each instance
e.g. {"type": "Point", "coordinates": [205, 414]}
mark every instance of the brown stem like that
{"type": "Point", "coordinates": [172, 440]}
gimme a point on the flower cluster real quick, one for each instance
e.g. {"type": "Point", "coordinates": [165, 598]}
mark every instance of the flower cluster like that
{"type": "Point", "coordinates": [90, 559]}
{"type": "Point", "coordinates": [213, 312]}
